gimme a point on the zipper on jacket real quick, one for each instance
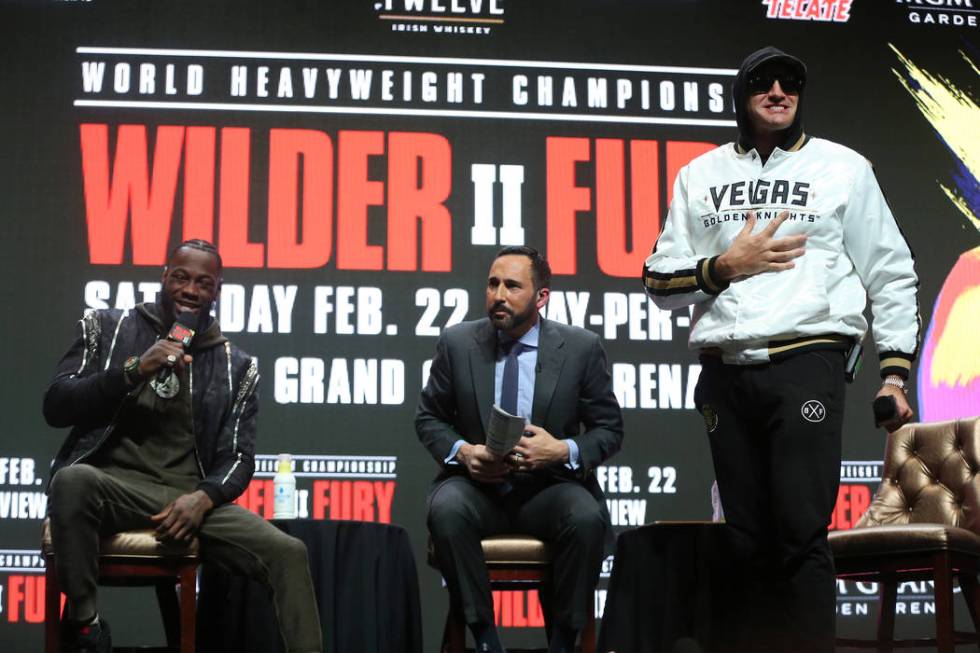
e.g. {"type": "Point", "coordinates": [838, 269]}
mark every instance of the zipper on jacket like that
{"type": "Point", "coordinates": [190, 390]}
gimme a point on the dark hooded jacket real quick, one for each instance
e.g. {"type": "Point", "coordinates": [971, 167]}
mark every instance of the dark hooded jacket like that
{"type": "Point", "coordinates": [740, 96]}
{"type": "Point", "coordinates": [89, 389]}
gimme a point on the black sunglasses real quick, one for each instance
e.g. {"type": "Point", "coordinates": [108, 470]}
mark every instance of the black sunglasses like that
{"type": "Point", "coordinates": [762, 82]}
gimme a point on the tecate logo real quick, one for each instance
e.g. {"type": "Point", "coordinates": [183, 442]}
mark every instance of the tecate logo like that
{"type": "Point", "coordinates": [827, 11]}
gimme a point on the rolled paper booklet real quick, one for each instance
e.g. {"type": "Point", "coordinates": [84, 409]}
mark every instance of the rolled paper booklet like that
{"type": "Point", "coordinates": [503, 431]}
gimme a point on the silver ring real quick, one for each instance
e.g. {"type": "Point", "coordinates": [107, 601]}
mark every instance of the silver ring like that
{"type": "Point", "coordinates": [518, 455]}
{"type": "Point", "coordinates": [171, 358]}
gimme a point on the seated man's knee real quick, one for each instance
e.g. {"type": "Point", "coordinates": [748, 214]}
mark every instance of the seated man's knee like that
{"type": "Point", "coordinates": [585, 522]}
{"type": "Point", "coordinates": [449, 515]}
{"type": "Point", "coordinates": [74, 483]}
{"type": "Point", "coordinates": [293, 550]}
{"type": "Point", "coordinates": [285, 553]}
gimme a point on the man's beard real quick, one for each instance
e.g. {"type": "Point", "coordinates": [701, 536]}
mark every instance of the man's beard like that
{"type": "Point", "coordinates": [512, 320]}
{"type": "Point", "coordinates": [168, 313]}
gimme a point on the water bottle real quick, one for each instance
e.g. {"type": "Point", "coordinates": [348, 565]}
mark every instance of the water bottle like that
{"type": "Point", "coordinates": [284, 487]}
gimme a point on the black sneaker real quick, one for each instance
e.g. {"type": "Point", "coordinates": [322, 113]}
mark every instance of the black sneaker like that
{"type": "Point", "coordinates": [90, 638]}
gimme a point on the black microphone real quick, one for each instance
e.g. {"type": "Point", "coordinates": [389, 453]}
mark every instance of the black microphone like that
{"type": "Point", "coordinates": [181, 332]}
{"type": "Point", "coordinates": [885, 408]}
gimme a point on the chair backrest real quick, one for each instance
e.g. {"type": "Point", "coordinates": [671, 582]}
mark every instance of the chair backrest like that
{"type": "Point", "coordinates": [930, 476]}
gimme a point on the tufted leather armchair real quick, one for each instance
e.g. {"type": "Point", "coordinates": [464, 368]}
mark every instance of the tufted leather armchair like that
{"type": "Point", "coordinates": [923, 523]}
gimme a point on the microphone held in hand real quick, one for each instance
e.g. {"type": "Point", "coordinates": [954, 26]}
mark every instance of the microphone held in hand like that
{"type": "Point", "coordinates": [182, 331]}
{"type": "Point", "coordinates": [885, 408]}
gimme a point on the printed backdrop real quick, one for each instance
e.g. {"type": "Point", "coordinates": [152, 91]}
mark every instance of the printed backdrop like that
{"type": "Point", "coordinates": [359, 162]}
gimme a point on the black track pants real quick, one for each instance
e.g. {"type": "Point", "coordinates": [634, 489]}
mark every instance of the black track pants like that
{"type": "Point", "coordinates": [775, 433]}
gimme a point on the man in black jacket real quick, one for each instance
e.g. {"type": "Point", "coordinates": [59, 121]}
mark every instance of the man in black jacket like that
{"type": "Point", "coordinates": [555, 377]}
{"type": "Point", "coordinates": [164, 438]}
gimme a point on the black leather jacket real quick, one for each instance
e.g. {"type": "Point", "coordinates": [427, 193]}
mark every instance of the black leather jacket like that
{"type": "Point", "coordinates": [89, 389]}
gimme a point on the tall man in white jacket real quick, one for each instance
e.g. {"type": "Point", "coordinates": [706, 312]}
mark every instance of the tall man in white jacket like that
{"type": "Point", "coordinates": [777, 240]}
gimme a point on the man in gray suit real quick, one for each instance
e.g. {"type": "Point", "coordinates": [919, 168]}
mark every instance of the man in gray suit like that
{"type": "Point", "coordinates": [555, 377]}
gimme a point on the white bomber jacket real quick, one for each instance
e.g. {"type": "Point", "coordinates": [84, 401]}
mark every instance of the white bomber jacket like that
{"type": "Point", "coordinates": [853, 244]}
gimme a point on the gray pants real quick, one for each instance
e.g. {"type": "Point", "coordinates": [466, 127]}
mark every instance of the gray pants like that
{"type": "Point", "coordinates": [86, 503]}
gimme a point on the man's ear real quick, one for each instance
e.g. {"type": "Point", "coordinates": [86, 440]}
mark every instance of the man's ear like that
{"type": "Point", "coordinates": [543, 295]}
{"type": "Point", "coordinates": [217, 295]}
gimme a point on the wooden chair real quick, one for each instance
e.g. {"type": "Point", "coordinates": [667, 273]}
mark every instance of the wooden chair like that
{"type": "Point", "coordinates": [923, 524]}
{"type": "Point", "coordinates": [514, 562]}
{"type": "Point", "coordinates": [134, 558]}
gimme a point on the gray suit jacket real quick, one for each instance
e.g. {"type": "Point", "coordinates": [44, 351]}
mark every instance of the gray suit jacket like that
{"type": "Point", "coordinates": [573, 395]}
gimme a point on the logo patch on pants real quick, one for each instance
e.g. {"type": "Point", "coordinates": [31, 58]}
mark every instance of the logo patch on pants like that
{"type": "Point", "coordinates": [813, 411]}
{"type": "Point", "coordinates": [710, 417]}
